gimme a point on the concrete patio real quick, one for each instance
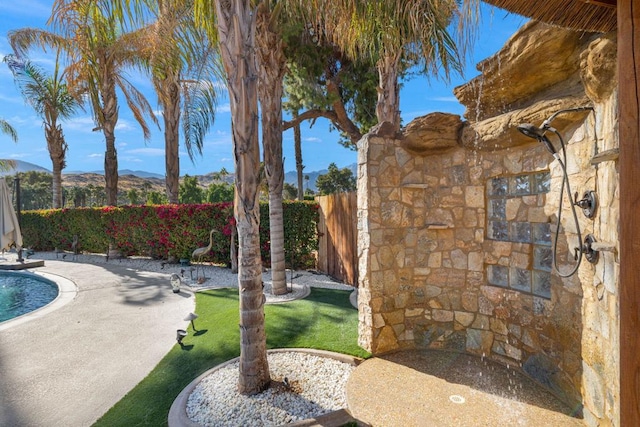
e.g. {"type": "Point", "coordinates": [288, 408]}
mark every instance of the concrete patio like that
{"type": "Point", "coordinates": [68, 367]}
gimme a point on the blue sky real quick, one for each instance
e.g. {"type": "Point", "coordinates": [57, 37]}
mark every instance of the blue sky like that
{"type": "Point", "coordinates": [418, 97]}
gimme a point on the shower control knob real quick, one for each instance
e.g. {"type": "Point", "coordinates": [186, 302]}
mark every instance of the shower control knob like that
{"type": "Point", "coordinates": [588, 203]}
{"type": "Point", "coordinates": [589, 252]}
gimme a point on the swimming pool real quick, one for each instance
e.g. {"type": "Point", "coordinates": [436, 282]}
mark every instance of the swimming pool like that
{"type": "Point", "coordinates": [21, 293]}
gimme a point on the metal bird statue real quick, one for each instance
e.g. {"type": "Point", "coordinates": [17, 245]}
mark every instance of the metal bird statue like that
{"type": "Point", "coordinates": [200, 252]}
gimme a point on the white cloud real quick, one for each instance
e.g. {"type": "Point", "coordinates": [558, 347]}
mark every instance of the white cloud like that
{"type": "Point", "coordinates": [312, 139]}
{"type": "Point", "coordinates": [443, 99]}
{"type": "Point", "coordinates": [124, 125]}
{"type": "Point", "coordinates": [82, 124]}
{"type": "Point", "coordinates": [95, 155]}
{"type": "Point", "coordinates": [17, 155]}
{"type": "Point", "coordinates": [87, 124]}
{"type": "Point", "coordinates": [131, 159]}
{"type": "Point", "coordinates": [18, 120]}
{"type": "Point", "coordinates": [224, 108]}
{"type": "Point", "coordinates": [147, 151]}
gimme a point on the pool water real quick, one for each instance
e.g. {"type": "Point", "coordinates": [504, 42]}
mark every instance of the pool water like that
{"type": "Point", "coordinates": [22, 293]}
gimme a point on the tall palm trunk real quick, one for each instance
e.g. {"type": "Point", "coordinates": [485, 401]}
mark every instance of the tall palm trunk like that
{"type": "Point", "coordinates": [236, 28]}
{"type": "Point", "coordinates": [109, 119]}
{"type": "Point", "coordinates": [171, 113]}
{"type": "Point", "coordinates": [388, 105]}
{"type": "Point", "coordinates": [297, 146]}
{"type": "Point", "coordinates": [57, 149]}
{"type": "Point", "coordinates": [272, 65]}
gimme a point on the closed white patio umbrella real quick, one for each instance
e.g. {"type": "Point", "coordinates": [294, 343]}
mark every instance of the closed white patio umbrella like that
{"type": "Point", "coordinates": [9, 227]}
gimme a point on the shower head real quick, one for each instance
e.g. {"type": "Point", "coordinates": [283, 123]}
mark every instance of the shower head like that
{"type": "Point", "coordinates": [536, 133]}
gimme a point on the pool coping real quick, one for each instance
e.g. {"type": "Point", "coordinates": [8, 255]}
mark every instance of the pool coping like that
{"type": "Point", "coordinates": [67, 291]}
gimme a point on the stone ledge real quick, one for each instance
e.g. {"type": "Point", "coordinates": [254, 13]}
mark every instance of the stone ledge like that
{"type": "Point", "coordinates": [501, 132]}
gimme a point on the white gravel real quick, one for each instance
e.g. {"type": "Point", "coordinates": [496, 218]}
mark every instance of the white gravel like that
{"type": "Point", "coordinates": [316, 387]}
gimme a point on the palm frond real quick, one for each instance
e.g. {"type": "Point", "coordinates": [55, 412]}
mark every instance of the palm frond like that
{"type": "Point", "coordinates": [26, 38]}
{"type": "Point", "coordinates": [199, 105]}
{"type": "Point", "coordinates": [138, 104]}
{"type": "Point", "coordinates": [47, 94]}
{"type": "Point", "coordinates": [7, 129]}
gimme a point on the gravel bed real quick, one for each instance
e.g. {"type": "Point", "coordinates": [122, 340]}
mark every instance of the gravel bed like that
{"type": "Point", "coordinates": [316, 387]}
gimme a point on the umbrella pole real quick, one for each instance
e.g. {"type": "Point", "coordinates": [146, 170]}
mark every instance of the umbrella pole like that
{"type": "Point", "coordinates": [16, 182]}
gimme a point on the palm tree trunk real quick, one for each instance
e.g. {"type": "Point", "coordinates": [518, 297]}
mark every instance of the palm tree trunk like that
{"type": "Point", "coordinates": [57, 150]}
{"type": "Point", "coordinates": [171, 114]}
{"type": "Point", "coordinates": [109, 120]}
{"type": "Point", "coordinates": [388, 106]}
{"type": "Point", "coordinates": [272, 64]}
{"type": "Point", "coordinates": [110, 167]}
{"type": "Point", "coordinates": [236, 28]}
{"type": "Point", "coordinates": [297, 146]}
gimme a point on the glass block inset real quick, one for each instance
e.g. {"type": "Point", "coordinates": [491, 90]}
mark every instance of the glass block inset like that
{"type": "Point", "coordinates": [542, 284]}
{"type": "Point", "coordinates": [498, 209]}
{"type": "Point", "coordinates": [520, 232]}
{"type": "Point", "coordinates": [542, 258]}
{"type": "Point", "coordinates": [520, 279]}
{"type": "Point", "coordinates": [498, 275]}
{"type": "Point", "coordinates": [498, 230]}
{"type": "Point", "coordinates": [541, 233]}
{"type": "Point", "coordinates": [542, 182]}
{"type": "Point", "coordinates": [521, 185]}
{"type": "Point", "coordinates": [499, 187]}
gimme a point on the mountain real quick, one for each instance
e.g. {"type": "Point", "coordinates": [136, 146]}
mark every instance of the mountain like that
{"type": "Point", "coordinates": [136, 178]}
{"type": "Point", "coordinates": [138, 173]}
{"type": "Point", "coordinates": [125, 182]}
{"type": "Point", "coordinates": [22, 166]}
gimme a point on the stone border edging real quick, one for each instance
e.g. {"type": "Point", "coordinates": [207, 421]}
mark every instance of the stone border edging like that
{"type": "Point", "coordinates": [353, 298]}
{"type": "Point", "coordinates": [306, 290]}
{"type": "Point", "coordinates": [178, 412]}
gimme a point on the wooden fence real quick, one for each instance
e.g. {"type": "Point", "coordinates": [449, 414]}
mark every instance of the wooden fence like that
{"type": "Point", "coordinates": [337, 232]}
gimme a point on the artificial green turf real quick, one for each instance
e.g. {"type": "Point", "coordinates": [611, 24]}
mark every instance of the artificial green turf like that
{"type": "Point", "coordinates": [324, 320]}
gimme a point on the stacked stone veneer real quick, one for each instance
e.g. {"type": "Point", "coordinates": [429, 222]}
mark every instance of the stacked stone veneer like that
{"type": "Point", "coordinates": [455, 253]}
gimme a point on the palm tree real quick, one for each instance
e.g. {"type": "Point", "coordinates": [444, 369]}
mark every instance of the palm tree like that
{"type": "Point", "coordinates": [236, 26]}
{"type": "Point", "coordinates": [93, 36]}
{"type": "Point", "coordinates": [50, 98]}
{"type": "Point", "coordinates": [272, 67]}
{"type": "Point", "coordinates": [394, 35]}
{"type": "Point", "coordinates": [175, 48]}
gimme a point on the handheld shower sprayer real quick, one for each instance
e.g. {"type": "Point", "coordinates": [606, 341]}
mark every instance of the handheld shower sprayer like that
{"type": "Point", "coordinates": [538, 133]}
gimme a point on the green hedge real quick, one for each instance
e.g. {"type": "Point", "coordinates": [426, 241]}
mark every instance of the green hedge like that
{"type": "Point", "coordinates": [166, 231]}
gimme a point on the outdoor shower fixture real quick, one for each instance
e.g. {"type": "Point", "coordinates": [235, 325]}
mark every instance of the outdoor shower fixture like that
{"type": "Point", "coordinates": [588, 203]}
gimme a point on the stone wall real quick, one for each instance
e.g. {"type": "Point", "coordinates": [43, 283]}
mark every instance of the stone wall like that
{"type": "Point", "coordinates": [455, 252]}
